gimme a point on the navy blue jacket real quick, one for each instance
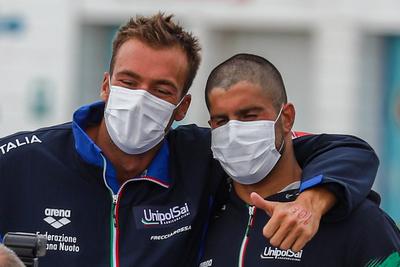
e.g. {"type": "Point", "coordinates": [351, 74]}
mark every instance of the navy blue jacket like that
{"type": "Point", "coordinates": [57, 182]}
{"type": "Point", "coordinates": [367, 237]}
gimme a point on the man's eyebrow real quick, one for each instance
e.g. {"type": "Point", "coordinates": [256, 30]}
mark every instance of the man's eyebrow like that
{"type": "Point", "coordinates": [218, 116]}
{"type": "Point", "coordinates": [128, 73]}
{"type": "Point", "coordinates": [249, 109]}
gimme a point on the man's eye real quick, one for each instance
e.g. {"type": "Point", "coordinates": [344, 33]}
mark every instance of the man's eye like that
{"type": "Point", "coordinates": [249, 116]}
{"type": "Point", "coordinates": [128, 82]}
{"type": "Point", "coordinates": [163, 91]}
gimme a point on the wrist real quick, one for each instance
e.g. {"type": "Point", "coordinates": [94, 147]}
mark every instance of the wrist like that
{"type": "Point", "coordinates": [320, 199]}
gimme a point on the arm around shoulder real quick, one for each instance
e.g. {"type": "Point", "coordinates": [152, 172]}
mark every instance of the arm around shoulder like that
{"type": "Point", "coordinates": [347, 166]}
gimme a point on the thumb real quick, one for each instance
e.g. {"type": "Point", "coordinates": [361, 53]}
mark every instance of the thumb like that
{"type": "Point", "coordinates": [259, 202]}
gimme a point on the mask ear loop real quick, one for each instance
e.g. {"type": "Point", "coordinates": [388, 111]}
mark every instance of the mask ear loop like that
{"type": "Point", "coordinates": [180, 102]}
{"type": "Point", "coordinates": [109, 82]}
{"type": "Point", "coordinates": [279, 114]}
{"type": "Point", "coordinates": [281, 147]}
{"type": "Point", "coordinates": [283, 139]}
{"type": "Point", "coordinates": [109, 90]}
{"type": "Point", "coordinates": [176, 106]}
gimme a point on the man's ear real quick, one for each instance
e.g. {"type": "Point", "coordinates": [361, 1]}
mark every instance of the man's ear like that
{"type": "Point", "coordinates": [105, 87]}
{"type": "Point", "coordinates": [288, 116]}
{"type": "Point", "coordinates": [183, 108]}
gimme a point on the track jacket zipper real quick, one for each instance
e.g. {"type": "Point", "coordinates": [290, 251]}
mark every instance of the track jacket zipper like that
{"type": "Point", "coordinates": [246, 237]}
{"type": "Point", "coordinates": [114, 227]}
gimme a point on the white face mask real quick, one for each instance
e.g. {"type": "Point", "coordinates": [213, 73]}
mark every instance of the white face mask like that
{"type": "Point", "coordinates": [135, 119]}
{"type": "Point", "coordinates": [246, 149]}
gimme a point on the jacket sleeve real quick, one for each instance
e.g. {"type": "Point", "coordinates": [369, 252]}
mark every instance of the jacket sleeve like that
{"type": "Point", "coordinates": [345, 165]}
{"type": "Point", "coordinates": [375, 240]}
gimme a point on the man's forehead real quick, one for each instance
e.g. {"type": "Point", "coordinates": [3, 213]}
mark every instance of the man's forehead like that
{"type": "Point", "coordinates": [241, 83]}
{"type": "Point", "coordinates": [138, 48]}
{"type": "Point", "coordinates": [242, 89]}
{"type": "Point", "coordinates": [242, 97]}
{"type": "Point", "coordinates": [166, 64]}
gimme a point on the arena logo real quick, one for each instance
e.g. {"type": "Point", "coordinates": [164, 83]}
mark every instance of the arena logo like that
{"type": "Point", "coordinates": [275, 253]}
{"type": "Point", "coordinates": [51, 213]}
{"type": "Point", "coordinates": [158, 216]}
{"type": "Point", "coordinates": [5, 148]}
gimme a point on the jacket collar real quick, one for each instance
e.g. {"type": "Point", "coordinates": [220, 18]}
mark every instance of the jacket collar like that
{"type": "Point", "coordinates": [92, 114]}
